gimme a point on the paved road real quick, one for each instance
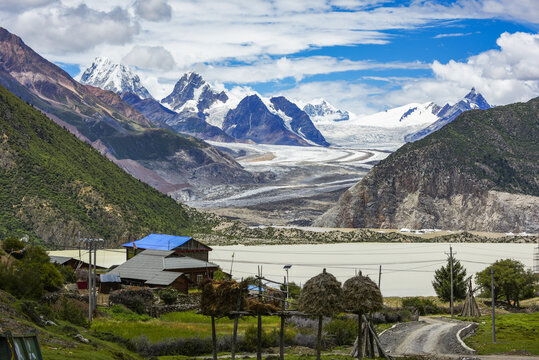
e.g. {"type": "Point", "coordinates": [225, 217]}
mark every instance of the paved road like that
{"type": "Point", "coordinates": [428, 336]}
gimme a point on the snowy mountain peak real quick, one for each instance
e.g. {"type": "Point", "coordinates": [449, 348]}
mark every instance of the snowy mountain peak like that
{"type": "Point", "coordinates": [107, 75]}
{"type": "Point", "coordinates": [476, 100]}
{"type": "Point", "coordinates": [472, 100]}
{"type": "Point", "coordinates": [192, 93]}
{"type": "Point", "coordinates": [320, 108]}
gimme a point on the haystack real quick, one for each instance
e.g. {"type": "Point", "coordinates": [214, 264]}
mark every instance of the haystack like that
{"type": "Point", "coordinates": [362, 296]}
{"type": "Point", "coordinates": [470, 308]}
{"type": "Point", "coordinates": [220, 297]}
{"type": "Point", "coordinates": [321, 296]}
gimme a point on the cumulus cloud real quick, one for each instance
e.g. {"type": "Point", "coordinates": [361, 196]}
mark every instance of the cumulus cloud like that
{"type": "Point", "coordinates": [64, 29]}
{"type": "Point", "coordinates": [21, 5]}
{"type": "Point", "coordinates": [150, 57]}
{"type": "Point", "coordinates": [505, 75]}
{"type": "Point", "coordinates": [153, 10]}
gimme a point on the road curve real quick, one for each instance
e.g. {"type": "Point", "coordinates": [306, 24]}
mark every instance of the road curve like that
{"type": "Point", "coordinates": [428, 336]}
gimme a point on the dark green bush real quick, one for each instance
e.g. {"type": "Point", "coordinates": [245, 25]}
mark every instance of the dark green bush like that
{"type": "Point", "coordinates": [68, 274]}
{"type": "Point", "coordinates": [71, 310]}
{"type": "Point", "coordinates": [168, 295]}
{"type": "Point", "coordinates": [12, 244]}
{"type": "Point", "coordinates": [422, 305]}
{"type": "Point", "coordinates": [134, 299]}
{"type": "Point", "coordinates": [342, 331]}
{"type": "Point", "coordinates": [250, 339]}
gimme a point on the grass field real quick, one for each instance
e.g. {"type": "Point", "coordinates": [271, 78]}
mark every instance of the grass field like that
{"type": "Point", "coordinates": [177, 324]}
{"type": "Point", "coordinates": [515, 333]}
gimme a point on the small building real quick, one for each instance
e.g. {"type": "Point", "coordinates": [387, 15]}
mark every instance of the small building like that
{"type": "Point", "coordinates": [72, 262]}
{"type": "Point", "coordinates": [163, 268]}
{"type": "Point", "coordinates": [181, 245]}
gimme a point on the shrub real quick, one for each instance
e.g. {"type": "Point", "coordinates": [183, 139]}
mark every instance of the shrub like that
{"type": "Point", "coordinates": [421, 305]}
{"type": "Point", "coordinates": [29, 308]}
{"type": "Point", "coordinates": [50, 277]}
{"type": "Point", "coordinates": [342, 331]}
{"type": "Point", "coordinates": [136, 299]}
{"type": "Point", "coordinates": [67, 273]}
{"type": "Point", "coordinates": [71, 310]}
{"type": "Point", "coordinates": [12, 244]}
{"type": "Point", "coordinates": [306, 340]}
{"type": "Point", "coordinates": [250, 339]}
{"type": "Point", "coordinates": [168, 295]}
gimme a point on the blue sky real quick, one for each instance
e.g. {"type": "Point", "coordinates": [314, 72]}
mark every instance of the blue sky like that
{"type": "Point", "coordinates": [361, 55]}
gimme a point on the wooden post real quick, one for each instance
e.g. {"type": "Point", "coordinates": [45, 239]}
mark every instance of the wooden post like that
{"type": "Point", "coordinates": [281, 334]}
{"type": "Point", "coordinates": [235, 332]}
{"type": "Point", "coordinates": [259, 316]}
{"type": "Point", "coordinates": [493, 305]}
{"type": "Point", "coordinates": [359, 336]}
{"type": "Point", "coordinates": [90, 305]}
{"type": "Point", "coordinates": [213, 338]}
{"type": "Point", "coordinates": [319, 338]}
{"type": "Point", "coordinates": [371, 338]}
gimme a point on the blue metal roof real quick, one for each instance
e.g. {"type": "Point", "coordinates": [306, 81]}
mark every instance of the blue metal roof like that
{"type": "Point", "coordinates": [159, 242]}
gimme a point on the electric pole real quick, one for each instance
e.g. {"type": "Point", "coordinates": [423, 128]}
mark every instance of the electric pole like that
{"type": "Point", "coordinates": [451, 262]}
{"type": "Point", "coordinates": [92, 270]}
{"type": "Point", "coordinates": [493, 305]}
{"type": "Point", "coordinates": [379, 276]}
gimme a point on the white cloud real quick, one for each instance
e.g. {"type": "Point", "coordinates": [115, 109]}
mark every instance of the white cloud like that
{"type": "Point", "coordinates": [503, 76]}
{"type": "Point", "coordinates": [153, 10]}
{"type": "Point", "coordinates": [441, 36]}
{"type": "Point", "coordinates": [150, 57]}
{"type": "Point", "coordinates": [265, 70]}
{"type": "Point", "coordinates": [59, 29]}
{"type": "Point", "coordinates": [21, 5]}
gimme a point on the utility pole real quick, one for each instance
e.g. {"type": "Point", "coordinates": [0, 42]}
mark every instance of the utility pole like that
{"type": "Point", "coordinates": [451, 265]}
{"type": "Point", "coordinates": [287, 267]}
{"type": "Point", "coordinates": [379, 276]}
{"type": "Point", "coordinates": [92, 270]}
{"type": "Point", "coordinates": [493, 306]}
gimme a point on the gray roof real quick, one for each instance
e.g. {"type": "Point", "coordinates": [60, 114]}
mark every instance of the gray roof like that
{"type": "Point", "coordinates": [164, 278]}
{"type": "Point", "coordinates": [151, 266]}
{"type": "Point", "coordinates": [59, 259]}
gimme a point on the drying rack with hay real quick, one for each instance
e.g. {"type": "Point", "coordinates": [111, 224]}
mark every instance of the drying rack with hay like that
{"type": "Point", "coordinates": [362, 297]}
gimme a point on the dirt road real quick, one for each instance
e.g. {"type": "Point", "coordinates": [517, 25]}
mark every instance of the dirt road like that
{"type": "Point", "coordinates": [428, 336]}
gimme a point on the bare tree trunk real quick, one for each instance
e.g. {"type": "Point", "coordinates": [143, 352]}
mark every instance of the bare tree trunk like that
{"type": "Point", "coordinates": [319, 339]}
{"type": "Point", "coordinates": [213, 338]}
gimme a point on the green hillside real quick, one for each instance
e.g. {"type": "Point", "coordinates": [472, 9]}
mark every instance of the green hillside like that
{"type": "Point", "coordinates": [52, 185]}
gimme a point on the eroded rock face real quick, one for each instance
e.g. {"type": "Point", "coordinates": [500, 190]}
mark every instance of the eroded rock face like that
{"type": "Point", "coordinates": [478, 173]}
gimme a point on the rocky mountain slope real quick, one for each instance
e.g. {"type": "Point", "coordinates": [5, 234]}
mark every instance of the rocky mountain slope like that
{"type": "Point", "coordinates": [300, 123]}
{"type": "Point", "coordinates": [52, 185]}
{"type": "Point", "coordinates": [184, 123]}
{"type": "Point", "coordinates": [166, 160]}
{"type": "Point", "coordinates": [448, 113]}
{"type": "Point", "coordinates": [252, 120]}
{"type": "Point", "coordinates": [479, 172]}
{"type": "Point", "coordinates": [105, 74]}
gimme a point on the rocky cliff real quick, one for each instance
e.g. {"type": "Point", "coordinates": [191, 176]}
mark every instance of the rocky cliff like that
{"type": "Point", "coordinates": [480, 172]}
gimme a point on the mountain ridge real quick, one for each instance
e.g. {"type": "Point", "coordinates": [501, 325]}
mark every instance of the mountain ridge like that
{"type": "Point", "coordinates": [478, 172]}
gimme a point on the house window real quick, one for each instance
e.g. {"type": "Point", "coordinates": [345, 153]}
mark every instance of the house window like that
{"type": "Point", "coordinates": [199, 278]}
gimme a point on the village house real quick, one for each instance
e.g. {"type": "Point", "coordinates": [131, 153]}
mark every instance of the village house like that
{"type": "Point", "coordinates": [181, 245]}
{"type": "Point", "coordinates": [163, 268]}
{"type": "Point", "coordinates": [159, 260]}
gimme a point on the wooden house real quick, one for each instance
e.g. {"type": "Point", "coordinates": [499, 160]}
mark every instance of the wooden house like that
{"type": "Point", "coordinates": [181, 245]}
{"type": "Point", "coordinates": [163, 268]}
